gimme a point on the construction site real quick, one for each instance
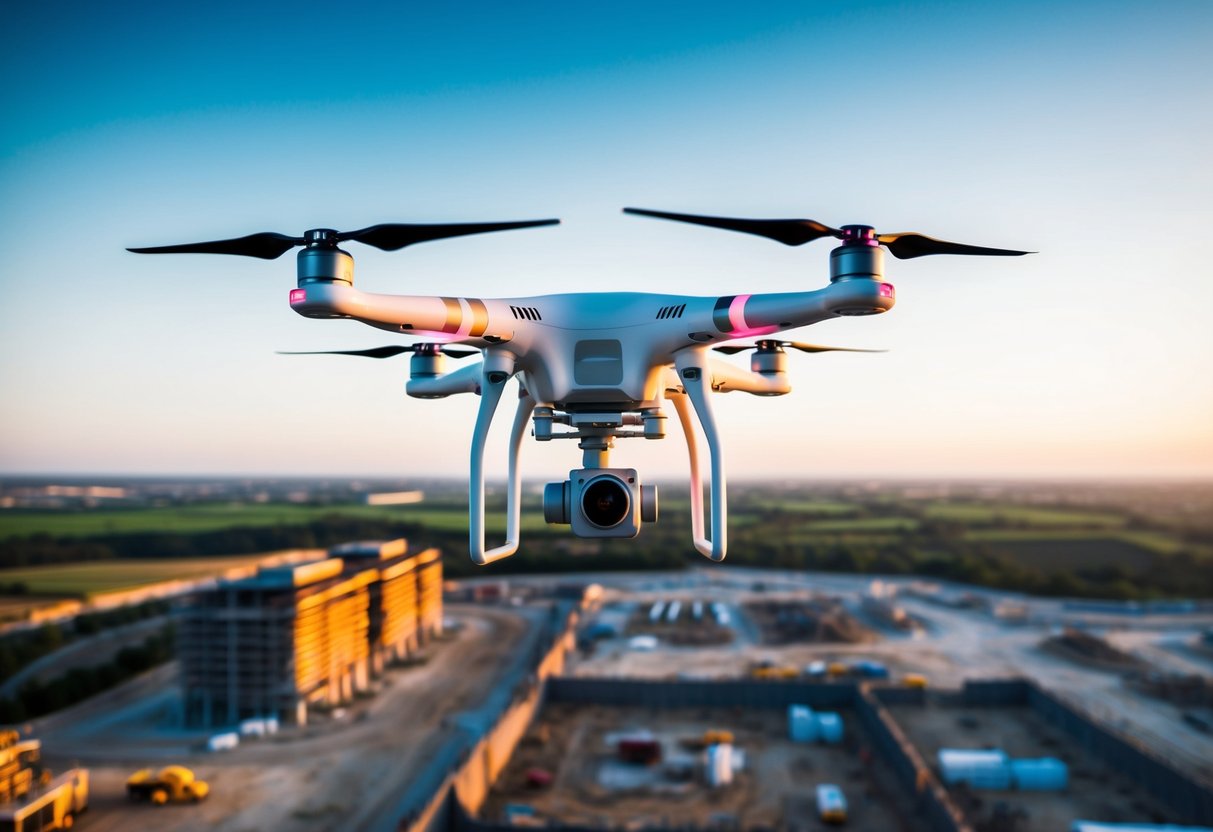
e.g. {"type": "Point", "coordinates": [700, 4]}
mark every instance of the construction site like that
{"type": "Point", "coordinates": [587, 708]}
{"type": "Point", "coordinates": [610, 767]}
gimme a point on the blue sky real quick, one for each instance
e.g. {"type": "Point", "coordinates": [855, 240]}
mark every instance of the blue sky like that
{"type": "Point", "coordinates": [1080, 130]}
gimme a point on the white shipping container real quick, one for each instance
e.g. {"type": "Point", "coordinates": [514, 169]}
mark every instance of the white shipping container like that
{"type": "Point", "coordinates": [802, 724]}
{"type": "Point", "coordinates": [223, 742]}
{"type": "Point", "coordinates": [829, 727]}
{"type": "Point", "coordinates": [1047, 774]}
{"type": "Point", "coordinates": [253, 728]}
{"type": "Point", "coordinates": [672, 613]}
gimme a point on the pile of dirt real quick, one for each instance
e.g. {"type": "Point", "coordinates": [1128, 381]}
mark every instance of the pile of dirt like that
{"type": "Point", "coordinates": [1178, 688]}
{"type": "Point", "coordinates": [800, 620]}
{"type": "Point", "coordinates": [1081, 646]}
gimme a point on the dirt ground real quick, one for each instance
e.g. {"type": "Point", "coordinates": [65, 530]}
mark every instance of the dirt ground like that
{"type": "Point", "coordinates": [775, 790]}
{"type": "Point", "coordinates": [342, 772]}
{"type": "Point", "coordinates": [1096, 791]}
{"type": "Point", "coordinates": [795, 620]}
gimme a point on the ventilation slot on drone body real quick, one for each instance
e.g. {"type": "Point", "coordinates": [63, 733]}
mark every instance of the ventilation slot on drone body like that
{"type": "Point", "coordinates": [671, 311]}
{"type": "Point", "coordinates": [527, 313]}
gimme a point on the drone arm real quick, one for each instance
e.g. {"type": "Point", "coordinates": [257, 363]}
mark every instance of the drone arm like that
{"type": "Point", "coordinates": [727, 378]}
{"type": "Point", "coordinates": [464, 380]}
{"type": "Point", "coordinates": [743, 316]}
{"type": "Point", "coordinates": [694, 376]}
{"type": "Point", "coordinates": [497, 370]}
{"type": "Point", "coordinates": [440, 318]}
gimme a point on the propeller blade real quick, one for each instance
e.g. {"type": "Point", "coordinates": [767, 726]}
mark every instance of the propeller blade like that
{"type": "Point", "coordinates": [788, 232]}
{"type": "Point", "coordinates": [389, 352]}
{"type": "Point", "coordinates": [374, 352]}
{"type": "Point", "coordinates": [732, 349]}
{"type": "Point", "coordinates": [906, 245]}
{"type": "Point", "coordinates": [393, 236]}
{"type": "Point", "coordinates": [796, 345]}
{"type": "Point", "coordinates": [267, 245]}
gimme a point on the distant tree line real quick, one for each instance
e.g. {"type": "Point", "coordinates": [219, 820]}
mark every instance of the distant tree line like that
{"type": "Point", "coordinates": [937, 549]}
{"type": "Point", "coordinates": [23, 647]}
{"type": "Point", "coordinates": [36, 698]}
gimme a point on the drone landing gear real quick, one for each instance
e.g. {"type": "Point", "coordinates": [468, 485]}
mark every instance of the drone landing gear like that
{"type": "Point", "coordinates": [694, 374]}
{"type": "Point", "coordinates": [497, 370]}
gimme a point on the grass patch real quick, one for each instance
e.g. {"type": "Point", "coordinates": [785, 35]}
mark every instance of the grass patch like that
{"type": "Point", "coordinates": [80, 580]}
{"type": "Point", "coordinates": [1053, 556]}
{"type": "Point", "coordinates": [211, 517]}
{"type": "Point", "coordinates": [864, 524]}
{"type": "Point", "coordinates": [823, 508]}
{"type": "Point", "coordinates": [1028, 515]}
{"type": "Point", "coordinates": [1159, 543]}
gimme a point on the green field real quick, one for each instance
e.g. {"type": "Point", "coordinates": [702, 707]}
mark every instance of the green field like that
{"type": "Point", "coordinates": [828, 508]}
{"type": "Point", "coordinates": [1157, 542]}
{"type": "Point", "coordinates": [972, 513]}
{"type": "Point", "coordinates": [211, 517]}
{"type": "Point", "coordinates": [83, 579]}
{"type": "Point", "coordinates": [864, 524]}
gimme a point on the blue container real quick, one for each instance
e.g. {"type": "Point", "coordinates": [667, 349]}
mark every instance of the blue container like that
{"type": "Point", "coordinates": [1047, 774]}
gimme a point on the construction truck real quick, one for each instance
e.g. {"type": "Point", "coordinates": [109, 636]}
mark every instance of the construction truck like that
{"type": "Point", "coordinates": [175, 783]}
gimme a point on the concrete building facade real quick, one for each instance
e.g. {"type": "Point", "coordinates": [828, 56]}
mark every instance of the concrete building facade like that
{"type": "Point", "coordinates": [300, 636]}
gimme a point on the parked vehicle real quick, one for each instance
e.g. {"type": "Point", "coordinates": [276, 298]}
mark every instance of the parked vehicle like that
{"type": "Point", "coordinates": [176, 783]}
{"type": "Point", "coordinates": [831, 805]}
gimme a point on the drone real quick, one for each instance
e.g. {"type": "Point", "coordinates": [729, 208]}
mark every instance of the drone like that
{"type": "Point", "coordinates": [594, 367]}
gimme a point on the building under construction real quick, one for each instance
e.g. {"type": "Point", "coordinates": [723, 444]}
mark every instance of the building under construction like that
{"type": "Point", "coordinates": [299, 636]}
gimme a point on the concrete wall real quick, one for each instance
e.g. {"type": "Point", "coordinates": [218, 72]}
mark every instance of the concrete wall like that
{"type": "Point", "coordinates": [934, 805]}
{"type": "Point", "coordinates": [465, 768]}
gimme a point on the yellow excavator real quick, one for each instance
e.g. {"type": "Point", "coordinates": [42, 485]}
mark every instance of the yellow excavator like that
{"type": "Point", "coordinates": [175, 783]}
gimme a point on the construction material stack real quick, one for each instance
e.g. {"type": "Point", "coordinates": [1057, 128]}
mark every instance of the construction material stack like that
{"type": "Point", "coordinates": [398, 637]}
{"type": "Point", "coordinates": [30, 799]}
{"type": "Point", "coordinates": [429, 593]}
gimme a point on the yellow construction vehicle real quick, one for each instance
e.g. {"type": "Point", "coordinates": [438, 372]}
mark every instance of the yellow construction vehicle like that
{"type": "Point", "coordinates": [717, 737]}
{"type": "Point", "coordinates": [914, 680]}
{"type": "Point", "coordinates": [176, 783]}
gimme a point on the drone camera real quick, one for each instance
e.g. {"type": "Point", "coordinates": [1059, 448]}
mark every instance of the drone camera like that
{"type": "Point", "coordinates": [601, 502]}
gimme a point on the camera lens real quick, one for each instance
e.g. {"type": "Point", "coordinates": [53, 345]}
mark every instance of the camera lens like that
{"type": "Point", "coordinates": [605, 502]}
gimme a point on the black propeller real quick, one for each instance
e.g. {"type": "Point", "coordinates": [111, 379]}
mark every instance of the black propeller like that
{"type": "Point", "coordinates": [389, 352]}
{"type": "Point", "coordinates": [389, 237]}
{"type": "Point", "coordinates": [796, 345]}
{"type": "Point", "coordinates": [903, 245]}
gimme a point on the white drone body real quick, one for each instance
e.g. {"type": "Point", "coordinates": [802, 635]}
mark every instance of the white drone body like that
{"type": "Point", "coordinates": [593, 367]}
